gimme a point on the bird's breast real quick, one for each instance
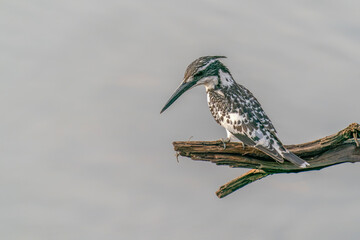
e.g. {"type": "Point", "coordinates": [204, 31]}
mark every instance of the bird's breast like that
{"type": "Point", "coordinates": [223, 112]}
{"type": "Point", "coordinates": [230, 112]}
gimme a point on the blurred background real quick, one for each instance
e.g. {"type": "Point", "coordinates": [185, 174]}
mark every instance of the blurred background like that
{"type": "Point", "coordinates": [85, 153]}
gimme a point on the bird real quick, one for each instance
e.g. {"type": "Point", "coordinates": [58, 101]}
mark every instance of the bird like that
{"type": "Point", "coordinates": [235, 108]}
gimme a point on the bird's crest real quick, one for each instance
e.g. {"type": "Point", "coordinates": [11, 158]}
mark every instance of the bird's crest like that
{"type": "Point", "coordinates": [200, 64]}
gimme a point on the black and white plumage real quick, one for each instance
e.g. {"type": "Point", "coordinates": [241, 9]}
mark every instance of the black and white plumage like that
{"type": "Point", "coordinates": [234, 107]}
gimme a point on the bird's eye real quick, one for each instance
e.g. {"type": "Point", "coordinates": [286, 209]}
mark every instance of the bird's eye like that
{"type": "Point", "coordinates": [199, 74]}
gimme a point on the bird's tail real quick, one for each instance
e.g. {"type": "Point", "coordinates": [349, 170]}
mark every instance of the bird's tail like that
{"type": "Point", "coordinates": [295, 159]}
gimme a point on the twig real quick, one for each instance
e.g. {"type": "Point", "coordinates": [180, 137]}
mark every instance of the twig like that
{"type": "Point", "coordinates": [355, 139]}
{"type": "Point", "coordinates": [239, 182]}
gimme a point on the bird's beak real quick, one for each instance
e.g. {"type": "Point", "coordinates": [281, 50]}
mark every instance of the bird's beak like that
{"type": "Point", "coordinates": [184, 86]}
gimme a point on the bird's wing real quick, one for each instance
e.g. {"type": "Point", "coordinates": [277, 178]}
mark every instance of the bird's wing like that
{"type": "Point", "coordinates": [250, 124]}
{"type": "Point", "coordinates": [245, 126]}
{"type": "Point", "coordinates": [253, 133]}
{"type": "Point", "coordinates": [248, 128]}
{"type": "Point", "coordinates": [257, 110]}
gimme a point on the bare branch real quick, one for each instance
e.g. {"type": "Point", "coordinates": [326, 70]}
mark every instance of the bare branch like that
{"type": "Point", "coordinates": [328, 151]}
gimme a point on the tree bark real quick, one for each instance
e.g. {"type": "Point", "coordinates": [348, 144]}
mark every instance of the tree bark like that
{"type": "Point", "coordinates": [338, 148]}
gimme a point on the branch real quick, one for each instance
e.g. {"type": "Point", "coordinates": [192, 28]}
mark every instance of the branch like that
{"type": "Point", "coordinates": [338, 148]}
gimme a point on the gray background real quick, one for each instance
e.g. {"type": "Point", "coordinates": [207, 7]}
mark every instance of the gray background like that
{"type": "Point", "coordinates": [85, 153]}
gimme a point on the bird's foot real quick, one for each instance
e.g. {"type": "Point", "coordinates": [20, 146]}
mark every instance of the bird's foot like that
{"type": "Point", "coordinates": [225, 141]}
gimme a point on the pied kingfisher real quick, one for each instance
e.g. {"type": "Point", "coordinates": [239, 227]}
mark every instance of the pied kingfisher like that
{"type": "Point", "coordinates": [234, 107]}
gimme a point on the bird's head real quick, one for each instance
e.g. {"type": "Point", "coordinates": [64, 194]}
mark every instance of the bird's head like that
{"type": "Point", "coordinates": [202, 71]}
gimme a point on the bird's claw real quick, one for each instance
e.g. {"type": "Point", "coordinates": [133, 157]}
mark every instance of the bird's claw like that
{"type": "Point", "coordinates": [225, 141]}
